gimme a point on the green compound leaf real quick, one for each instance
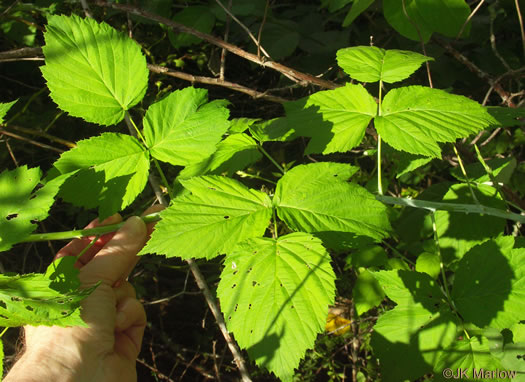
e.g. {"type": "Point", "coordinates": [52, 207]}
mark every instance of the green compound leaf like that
{"type": "Point", "coordinates": [372, 64]}
{"type": "Point", "coordinates": [317, 198]}
{"type": "Point", "coordinates": [444, 16]}
{"type": "Point", "coordinates": [219, 213]}
{"type": "Point", "coordinates": [275, 296]}
{"type": "Point", "coordinates": [409, 338]}
{"type": "Point", "coordinates": [113, 167]}
{"type": "Point", "coordinates": [43, 299]}
{"type": "Point", "coordinates": [459, 232]}
{"type": "Point", "coordinates": [4, 108]}
{"type": "Point", "coordinates": [489, 285]}
{"type": "Point", "coordinates": [416, 118]}
{"type": "Point", "coordinates": [277, 129]}
{"type": "Point", "coordinates": [335, 119]}
{"type": "Point", "coordinates": [183, 129]}
{"type": "Point", "coordinates": [428, 263]}
{"type": "Point", "coordinates": [92, 71]}
{"type": "Point", "coordinates": [21, 206]}
{"type": "Point", "coordinates": [471, 355]}
{"type": "Point", "coordinates": [234, 153]}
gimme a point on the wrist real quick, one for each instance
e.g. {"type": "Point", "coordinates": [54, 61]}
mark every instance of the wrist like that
{"type": "Point", "coordinates": [51, 354]}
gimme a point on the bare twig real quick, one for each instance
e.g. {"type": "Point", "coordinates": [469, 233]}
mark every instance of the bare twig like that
{"type": "Point", "coordinates": [42, 145]}
{"type": "Point", "coordinates": [469, 18]}
{"type": "Point", "coordinates": [215, 81]}
{"type": "Point", "coordinates": [245, 28]}
{"type": "Point", "coordinates": [522, 30]}
{"type": "Point", "coordinates": [505, 96]}
{"type": "Point", "coordinates": [201, 283]}
{"type": "Point", "coordinates": [11, 152]}
{"type": "Point", "coordinates": [86, 9]}
{"type": "Point", "coordinates": [493, 46]}
{"type": "Point", "coordinates": [294, 75]}
{"type": "Point", "coordinates": [224, 51]}
{"type": "Point", "coordinates": [259, 35]}
{"type": "Point", "coordinates": [420, 40]}
{"type": "Point", "coordinates": [39, 133]}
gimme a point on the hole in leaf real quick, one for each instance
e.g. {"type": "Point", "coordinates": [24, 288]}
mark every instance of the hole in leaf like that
{"type": "Point", "coordinates": [11, 216]}
{"type": "Point", "coordinates": [234, 285]}
{"type": "Point", "coordinates": [33, 221]}
{"type": "Point", "coordinates": [236, 271]}
{"type": "Point", "coordinates": [335, 175]}
{"type": "Point", "coordinates": [249, 306]}
{"type": "Point", "coordinates": [254, 283]}
{"type": "Point", "coordinates": [32, 197]}
{"type": "Point", "coordinates": [281, 285]}
{"type": "Point", "coordinates": [293, 307]}
{"type": "Point", "coordinates": [236, 306]}
{"type": "Point", "coordinates": [254, 252]}
{"type": "Point", "coordinates": [226, 217]}
{"type": "Point", "coordinates": [229, 318]}
{"type": "Point", "coordinates": [212, 188]}
{"type": "Point", "coordinates": [249, 270]}
{"type": "Point", "coordinates": [15, 298]}
{"type": "Point", "coordinates": [64, 313]}
{"type": "Point", "coordinates": [251, 331]}
{"type": "Point", "coordinates": [60, 301]}
{"type": "Point", "coordinates": [29, 308]}
{"type": "Point", "coordinates": [3, 305]}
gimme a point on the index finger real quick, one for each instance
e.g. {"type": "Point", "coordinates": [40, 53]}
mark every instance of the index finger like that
{"type": "Point", "coordinates": [115, 260]}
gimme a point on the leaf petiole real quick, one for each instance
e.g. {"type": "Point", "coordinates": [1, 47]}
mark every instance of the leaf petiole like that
{"type": "Point", "coordinates": [75, 234]}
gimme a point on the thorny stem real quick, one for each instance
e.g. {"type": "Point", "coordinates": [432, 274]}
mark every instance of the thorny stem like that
{"type": "Point", "coordinates": [453, 207]}
{"type": "Point", "coordinates": [210, 298]}
{"type": "Point", "coordinates": [75, 234]}
{"type": "Point", "coordinates": [441, 265]}
{"type": "Point", "coordinates": [379, 181]}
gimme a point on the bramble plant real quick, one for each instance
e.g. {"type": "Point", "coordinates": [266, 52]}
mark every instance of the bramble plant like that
{"type": "Point", "coordinates": [277, 282]}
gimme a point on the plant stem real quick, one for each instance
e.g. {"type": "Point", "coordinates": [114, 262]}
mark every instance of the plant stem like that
{"type": "Point", "coordinates": [271, 159]}
{"type": "Point", "coordinates": [129, 122]}
{"type": "Point", "coordinates": [75, 234]}
{"type": "Point", "coordinates": [379, 180]}
{"type": "Point", "coordinates": [441, 265]}
{"type": "Point", "coordinates": [454, 207]}
{"type": "Point", "coordinates": [469, 183]}
{"type": "Point", "coordinates": [275, 224]}
{"type": "Point", "coordinates": [92, 243]}
{"type": "Point", "coordinates": [489, 172]}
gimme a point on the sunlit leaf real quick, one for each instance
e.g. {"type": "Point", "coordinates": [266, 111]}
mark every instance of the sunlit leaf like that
{"type": "Point", "coordinates": [275, 296]}
{"type": "Point", "coordinates": [219, 213]}
{"type": "Point", "coordinates": [92, 71]}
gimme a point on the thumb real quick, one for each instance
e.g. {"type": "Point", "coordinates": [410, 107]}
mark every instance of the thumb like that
{"type": "Point", "coordinates": [118, 257]}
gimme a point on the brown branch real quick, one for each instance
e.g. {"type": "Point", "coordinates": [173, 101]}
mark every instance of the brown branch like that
{"type": "Point", "coordinates": [505, 96]}
{"type": "Point", "coordinates": [43, 145]}
{"type": "Point", "coordinates": [42, 134]}
{"type": "Point", "coordinates": [293, 74]}
{"type": "Point", "coordinates": [215, 81]}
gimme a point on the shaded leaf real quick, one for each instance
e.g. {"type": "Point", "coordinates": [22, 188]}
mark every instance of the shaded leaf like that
{"type": "Point", "coordinates": [197, 17]}
{"type": "Point", "coordinates": [489, 284]}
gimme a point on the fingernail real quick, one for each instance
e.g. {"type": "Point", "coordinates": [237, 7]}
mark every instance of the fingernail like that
{"type": "Point", "coordinates": [134, 225]}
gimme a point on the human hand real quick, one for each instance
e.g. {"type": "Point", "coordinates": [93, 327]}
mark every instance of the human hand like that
{"type": "Point", "coordinates": [106, 350]}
